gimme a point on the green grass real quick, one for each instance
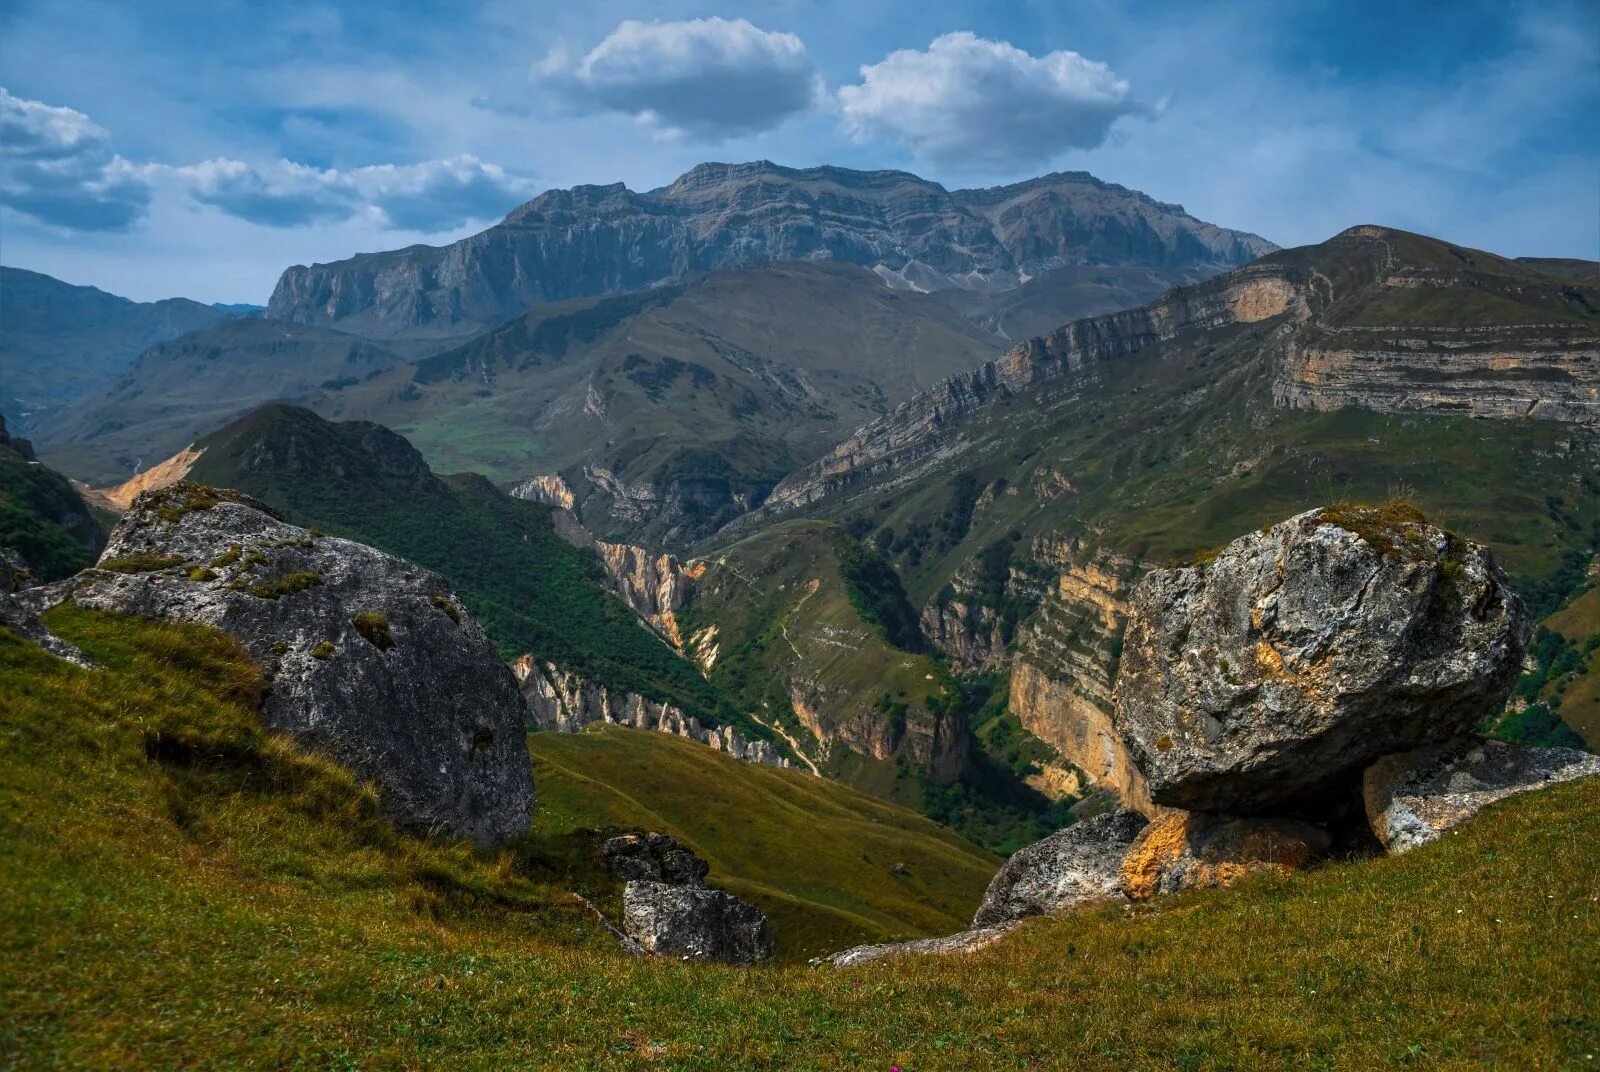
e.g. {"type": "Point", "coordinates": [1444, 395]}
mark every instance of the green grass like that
{"type": "Point", "coordinates": [817, 857]}
{"type": "Point", "coordinates": [234, 904]}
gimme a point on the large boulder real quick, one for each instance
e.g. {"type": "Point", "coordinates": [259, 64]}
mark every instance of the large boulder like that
{"type": "Point", "coordinates": [693, 922]}
{"type": "Point", "coordinates": [1080, 865]}
{"type": "Point", "coordinates": [1414, 797]}
{"type": "Point", "coordinates": [368, 656]}
{"type": "Point", "coordinates": [1305, 651]}
{"type": "Point", "coordinates": [1187, 850]}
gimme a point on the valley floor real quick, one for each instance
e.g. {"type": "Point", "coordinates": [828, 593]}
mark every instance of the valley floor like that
{"type": "Point", "coordinates": [179, 889]}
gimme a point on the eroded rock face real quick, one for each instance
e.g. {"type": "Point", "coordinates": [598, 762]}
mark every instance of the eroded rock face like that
{"type": "Point", "coordinates": [1415, 797]}
{"type": "Point", "coordinates": [653, 857]}
{"type": "Point", "coordinates": [367, 656]}
{"type": "Point", "coordinates": [1185, 850]}
{"type": "Point", "coordinates": [695, 923]}
{"type": "Point", "coordinates": [1302, 653]}
{"type": "Point", "coordinates": [1077, 866]}
{"type": "Point", "coordinates": [561, 700]}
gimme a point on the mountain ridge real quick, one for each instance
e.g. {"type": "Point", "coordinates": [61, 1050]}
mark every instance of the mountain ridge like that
{"type": "Point", "coordinates": [592, 240]}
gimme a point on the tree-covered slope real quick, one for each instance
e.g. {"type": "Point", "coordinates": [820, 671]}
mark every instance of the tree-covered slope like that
{"type": "Point", "coordinates": [42, 516]}
{"type": "Point", "coordinates": [532, 590]}
{"type": "Point", "coordinates": [235, 904]}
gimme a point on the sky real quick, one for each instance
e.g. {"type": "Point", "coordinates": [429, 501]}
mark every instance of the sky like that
{"type": "Point", "coordinates": [180, 147]}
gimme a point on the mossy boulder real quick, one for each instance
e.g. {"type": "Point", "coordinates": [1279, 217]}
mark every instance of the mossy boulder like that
{"type": "Point", "coordinates": [1301, 653]}
{"type": "Point", "coordinates": [415, 700]}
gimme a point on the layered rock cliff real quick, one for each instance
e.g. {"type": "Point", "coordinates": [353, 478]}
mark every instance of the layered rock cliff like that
{"type": "Point", "coordinates": [563, 701]}
{"type": "Point", "coordinates": [594, 240]}
{"type": "Point", "coordinates": [1373, 318]}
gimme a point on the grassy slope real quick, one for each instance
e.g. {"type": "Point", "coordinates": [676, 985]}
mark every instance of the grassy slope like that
{"type": "Point", "coordinates": [1579, 622]}
{"type": "Point", "coordinates": [817, 857]}
{"type": "Point", "coordinates": [249, 912]}
{"type": "Point", "coordinates": [533, 591]}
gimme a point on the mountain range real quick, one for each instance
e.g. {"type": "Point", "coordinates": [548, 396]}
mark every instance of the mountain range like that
{"type": "Point", "coordinates": [595, 240]}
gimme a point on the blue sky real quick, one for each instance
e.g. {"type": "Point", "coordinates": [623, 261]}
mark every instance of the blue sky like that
{"type": "Point", "coordinates": [191, 148]}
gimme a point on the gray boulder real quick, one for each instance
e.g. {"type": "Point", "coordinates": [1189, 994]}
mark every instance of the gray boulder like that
{"type": "Point", "coordinates": [1414, 797]}
{"type": "Point", "coordinates": [368, 656]}
{"type": "Point", "coordinates": [1303, 652]}
{"type": "Point", "coordinates": [694, 923]}
{"type": "Point", "coordinates": [653, 857]}
{"type": "Point", "coordinates": [1080, 865]}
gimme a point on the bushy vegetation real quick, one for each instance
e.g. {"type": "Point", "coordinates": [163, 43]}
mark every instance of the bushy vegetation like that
{"type": "Point", "coordinates": [875, 593]}
{"type": "Point", "coordinates": [1534, 715]}
{"type": "Point", "coordinates": [183, 890]}
{"type": "Point", "coordinates": [44, 520]}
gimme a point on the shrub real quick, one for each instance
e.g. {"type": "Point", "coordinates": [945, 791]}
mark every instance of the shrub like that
{"type": "Point", "coordinates": [289, 583]}
{"type": "Point", "coordinates": [373, 627]}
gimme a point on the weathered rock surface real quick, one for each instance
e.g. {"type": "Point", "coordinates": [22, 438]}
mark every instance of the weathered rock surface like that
{"type": "Point", "coordinates": [593, 240]}
{"type": "Point", "coordinates": [653, 857]}
{"type": "Point", "coordinates": [967, 941]}
{"type": "Point", "coordinates": [561, 700]}
{"type": "Point", "coordinates": [1077, 866]}
{"type": "Point", "coordinates": [368, 656]}
{"type": "Point", "coordinates": [695, 923]}
{"type": "Point", "coordinates": [1185, 850]}
{"type": "Point", "coordinates": [1304, 652]}
{"type": "Point", "coordinates": [1414, 797]}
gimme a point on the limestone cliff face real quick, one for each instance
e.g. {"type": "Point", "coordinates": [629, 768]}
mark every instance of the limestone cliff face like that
{"type": "Point", "coordinates": [938, 745]}
{"type": "Point", "coordinates": [914, 433]}
{"type": "Point", "coordinates": [594, 240]}
{"type": "Point", "coordinates": [655, 586]}
{"type": "Point", "coordinates": [970, 633]}
{"type": "Point", "coordinates": [562, 701]}
{"type": "Point", "coordinates": [546, 488]}
{"type": "Point", "coordinates": [1066, 664]}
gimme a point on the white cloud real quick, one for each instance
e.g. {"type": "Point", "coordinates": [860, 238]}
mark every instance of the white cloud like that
{"type": "Point", "coordinates": [707, 79]}
{"type": "Point", "coordinates": [428, 198]}
{"type": "Point", "coordinates": [57, 166]}
{"type": "Point", "coordinates": [976, 104]}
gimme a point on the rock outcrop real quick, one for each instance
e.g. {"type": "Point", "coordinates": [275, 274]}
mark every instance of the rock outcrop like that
{"type": "Point", "coordinates": [560, 700]}
{"type": "Point", "coordinates": [655, 586]}
{"type": "Point", "coordinates": [968, 941]}
{"type": "Point", "coordinates": [1414, 797]}
{"type": "Point", "coordinates": [695, 923]}
{"type": "Point", "coordinates": [367, 656]}
{"type": "Point", "coordinates": [594, 240]}
{"type": "Point", "coordinates": [1303, 652]}
{"type": "Point", "coordinates": [1187, 850]}
{"type": "Point", "coordinates": [669, 911]}
{"type": "Point", "coordinates": [1078, 866]}
{"type": "Point", "coordinates": [652, 857]}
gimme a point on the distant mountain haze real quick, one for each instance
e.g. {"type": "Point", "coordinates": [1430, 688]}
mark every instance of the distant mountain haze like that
{"type": "Point", "coordinates": [59, 341]}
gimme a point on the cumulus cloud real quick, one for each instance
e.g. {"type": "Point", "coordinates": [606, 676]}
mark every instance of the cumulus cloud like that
{"type": "Point", "coordinates": [429, 197]}
{"type": "Point", "coordinates": [57, 166]}
{"type": "Point", "coordinates": [703, 78]}
{"type": "Point", "coordinates": [975, 103]}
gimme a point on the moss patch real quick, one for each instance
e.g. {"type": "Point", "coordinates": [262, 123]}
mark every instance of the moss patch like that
{"type": "Point", "coordinates": [297, 581]}
{"type": "Point", "coordinates": [373, 627]}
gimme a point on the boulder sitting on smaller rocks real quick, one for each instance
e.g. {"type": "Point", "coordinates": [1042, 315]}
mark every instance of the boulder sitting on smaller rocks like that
{"type": "Point", "coordinates": [695, 923]}
{"type": "Point", "coordinates": [1076, 866]}
{"type": "Point", "coordinates": [1187, 850]}
{"type": "Point", "coordinates": [653, 857]}
{"type": "Point", "coordinates": [1414, 797]}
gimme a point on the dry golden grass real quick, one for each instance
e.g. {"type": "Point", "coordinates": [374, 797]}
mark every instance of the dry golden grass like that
{"type": "Point", "coordinates": [226, 902]}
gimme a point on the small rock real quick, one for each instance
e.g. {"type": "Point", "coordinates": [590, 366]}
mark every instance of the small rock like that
{"type": "Point", "coordinates": [1414, 797]}
{"type": "Point", "coordinates": [1076, 866]}
{"type": "Point", "coordinates": [695, 923]}
{"type": "Point", "coordinates": [653, 857]}
{"type": "Point", "coordinates": [1186, 850]}
{"type": "Point", "coordinates": [1302, 653]}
